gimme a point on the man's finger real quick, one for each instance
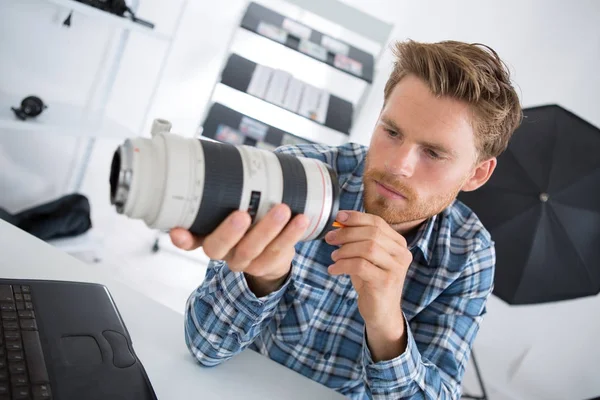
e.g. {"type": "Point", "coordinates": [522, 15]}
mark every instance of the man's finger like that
{"type": "Point", "coordinates": [350, 218]}
{"type": "Point", "coordinates": [368, 250]}
{"type": "Point", "coordinates": [279, 247]}
{"type": "Point", "coordinates": [184, 239]}
{"type": "Point", "coordinates": [291, 235]}
{"type": "Point", "coordinates": [227, 235]}
{"type": "Point", "coordinates": [352, 234]}
{"type": "Point", "coordinates": [358, 267]}
{"type": "Point", "coordinates": [259, 237]}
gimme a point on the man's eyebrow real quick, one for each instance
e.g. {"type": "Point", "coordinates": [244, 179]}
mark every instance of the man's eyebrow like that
{"type": "Point", "coordinates": [391, 124]}
{"type": "Point", "coordinates": [433, 146]}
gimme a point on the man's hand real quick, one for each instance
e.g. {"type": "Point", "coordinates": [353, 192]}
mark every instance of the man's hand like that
{"type": "Point", "coordinates": [377, 258]}
{"type": "Point", "coordinates": [264, 253]}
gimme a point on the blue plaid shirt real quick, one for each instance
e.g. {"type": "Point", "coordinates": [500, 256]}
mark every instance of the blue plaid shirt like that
{"type": "Point", "coordinates": [312, 323]}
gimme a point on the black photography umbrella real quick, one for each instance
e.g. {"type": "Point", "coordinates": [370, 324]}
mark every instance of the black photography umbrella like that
{"type": "Point", "coordinates": [542, 208]}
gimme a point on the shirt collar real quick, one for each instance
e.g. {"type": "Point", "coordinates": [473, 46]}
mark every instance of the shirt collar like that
{"type": "Point", "coordinates": [424, 239]}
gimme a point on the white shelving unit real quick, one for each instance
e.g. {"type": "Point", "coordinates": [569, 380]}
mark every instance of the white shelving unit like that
{"type": "Point", "coordinates": [83, 122]}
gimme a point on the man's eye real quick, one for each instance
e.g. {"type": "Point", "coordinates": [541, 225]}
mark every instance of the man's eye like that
{"type": "Point", "coordinates": [391, 133]}
{"type": "Point", "coordinates": [432, 154]}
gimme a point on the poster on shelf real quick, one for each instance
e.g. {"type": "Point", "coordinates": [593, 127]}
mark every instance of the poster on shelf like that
{"type": "Point", "coordinates": [260, 81]}
{"type": "Point", "coordinates": [322, 107]}
{"type": "Point", "coordinates": [272, 32]}
{"type": "Point", "coordinates": [291, 100]}
{"type": "Point", "coordinates": [253, 129]}
{"type": "Point", "coordinates": [277, 87]}
{"type": "Point", "coordinates": [314, 103]}
{"type": "Point", "coordinates": [296, 29]}
{"type": "Point", "coordinates": [229, 135]}
{"type": "Point", "coordinates": [335, 46]}
{"type": "Point", "coordinates": [347, 64]}
{"type": "Point", "coordinates": [313, 49]}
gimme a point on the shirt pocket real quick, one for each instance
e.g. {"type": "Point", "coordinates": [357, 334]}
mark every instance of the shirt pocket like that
{"type": "Point", "coordinates": [294, 316]}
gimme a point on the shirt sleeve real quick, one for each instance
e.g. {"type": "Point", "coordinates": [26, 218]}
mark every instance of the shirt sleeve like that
{"type": "Point", "coordinates": [223, 316]}
{"type": "Point", "coordinates": [439, 340]}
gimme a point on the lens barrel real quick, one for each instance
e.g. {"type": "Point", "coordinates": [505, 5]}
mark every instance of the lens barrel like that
{"type": "Point", "coordinates": [171, 181]}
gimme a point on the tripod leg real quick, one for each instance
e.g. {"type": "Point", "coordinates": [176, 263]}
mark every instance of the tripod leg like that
{"type": "Point", "coordinates": [156, 245]}
{"type": "Point", "coordinates": [484, 395]}
{"type": "Point", "coordinates": [479, 378]}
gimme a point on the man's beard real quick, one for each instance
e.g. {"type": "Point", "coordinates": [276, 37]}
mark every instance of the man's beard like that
{"type": "Point", "coordinates": [414, 208]}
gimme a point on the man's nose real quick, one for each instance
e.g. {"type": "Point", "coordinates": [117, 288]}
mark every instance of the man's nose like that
{"type": "Point", "coordinates": [402, 161]}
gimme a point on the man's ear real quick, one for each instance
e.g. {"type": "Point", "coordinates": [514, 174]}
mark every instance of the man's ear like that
{"type": "Point", "coordinates": [482, 173]}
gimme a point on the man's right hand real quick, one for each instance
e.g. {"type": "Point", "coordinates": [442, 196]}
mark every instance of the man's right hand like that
{"type": "Point", "coordinates": [264, 253]}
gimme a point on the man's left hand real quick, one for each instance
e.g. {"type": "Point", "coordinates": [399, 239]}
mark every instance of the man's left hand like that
{"type": "Point", "coordinates": [377, 258]}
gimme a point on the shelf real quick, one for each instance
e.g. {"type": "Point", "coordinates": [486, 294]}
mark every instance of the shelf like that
{"type": "Point", "coordinates": [62, 119]}
{"type": "Point", "coordinates": [290, 33]}
{"type": "Point", "coordinates": [276, 116]}
{"type": "Point", "coordinates": [230, 126]}
{"type": "Point", "coordinates": [108, 18]}
{"type": "Point", "coordinates": [283, 90]}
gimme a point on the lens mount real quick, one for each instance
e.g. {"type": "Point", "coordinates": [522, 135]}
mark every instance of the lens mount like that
{"type": "Point", "coordinates": [121, 174]}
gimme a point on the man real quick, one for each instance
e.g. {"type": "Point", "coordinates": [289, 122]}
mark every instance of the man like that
{"type": "Point", "coordinates": [388, 306]}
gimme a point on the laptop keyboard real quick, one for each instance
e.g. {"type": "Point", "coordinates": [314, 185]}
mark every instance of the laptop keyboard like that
{"type": "Point", "coordinates": [23, 373]}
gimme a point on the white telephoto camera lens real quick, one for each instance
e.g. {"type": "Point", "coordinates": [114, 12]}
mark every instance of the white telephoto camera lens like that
{"type": "Point", "coordinates": [170, 181]}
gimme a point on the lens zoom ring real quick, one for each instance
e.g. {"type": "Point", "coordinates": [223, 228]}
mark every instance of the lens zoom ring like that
{"type": "Point", "coordinates": [223, 184]}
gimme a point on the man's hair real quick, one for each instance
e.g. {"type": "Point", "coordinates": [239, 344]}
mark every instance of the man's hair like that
{"type": "Point", "coordinates": [472, 73]}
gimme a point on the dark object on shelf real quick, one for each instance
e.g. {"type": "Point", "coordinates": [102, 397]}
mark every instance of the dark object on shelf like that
{"type": "Point", "coordinates": [31, 107]}
{"type": "Point", "coordinates": [64, 217]}
{"type": "Point", "coordinates": [227, 125]}
{"type": "Point", "coordinates": [117, 7]}
{"type": "Point", "coordinates": [238, 74]}
{"type": "Point", "coordinates": [542, 208]}
{"type": "Point", "coordinates": [272, 25]}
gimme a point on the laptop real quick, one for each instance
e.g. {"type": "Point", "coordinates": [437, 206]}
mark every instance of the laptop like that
{"type": "Point", "coordinates": [66, 341]}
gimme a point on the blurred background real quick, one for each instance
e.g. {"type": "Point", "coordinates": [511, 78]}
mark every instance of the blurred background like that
{"type": "Point", "coordinates": [105, 78]}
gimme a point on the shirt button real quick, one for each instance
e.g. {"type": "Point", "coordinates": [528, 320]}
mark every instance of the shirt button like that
{"type": "Point", "coordinates": [327, 356]}
{"type": "Point", "coordinates": [350, 302]}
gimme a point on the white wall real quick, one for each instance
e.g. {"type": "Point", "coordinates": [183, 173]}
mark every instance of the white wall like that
{"type": "Point", "coordinates": [551, 46]}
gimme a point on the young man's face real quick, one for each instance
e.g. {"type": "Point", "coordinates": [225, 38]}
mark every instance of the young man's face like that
{"type": "Point", "coordinates": [422, 154]}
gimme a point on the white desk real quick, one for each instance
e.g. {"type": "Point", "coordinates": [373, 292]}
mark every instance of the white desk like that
{"type": "Point", "coordinates": [157, 333]}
